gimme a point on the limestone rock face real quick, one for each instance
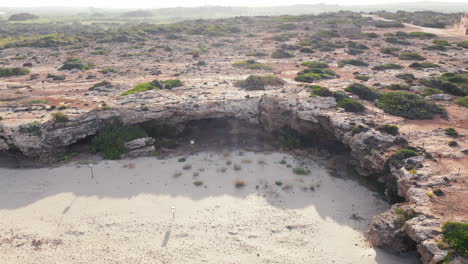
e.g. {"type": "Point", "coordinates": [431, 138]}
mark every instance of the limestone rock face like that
{"type": "Point", "coordinates": [316, 116]}
{"type": "Point", "coordinates": [386, 231]}
{"type": "Point", "coordinates": [140, 147]}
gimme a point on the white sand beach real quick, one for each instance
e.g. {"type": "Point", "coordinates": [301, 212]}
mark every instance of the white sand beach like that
{"type": "Point", "coordinates": [124, 214]}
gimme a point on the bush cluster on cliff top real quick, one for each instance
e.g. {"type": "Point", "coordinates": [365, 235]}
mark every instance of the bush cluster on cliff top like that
{"type": "Point", "coordinates": [256, 82]}
{"type": "Point", "coordinates": [449, 82]}
{"type": "Point", "coordinates": [389, 24]}
{"type": "Point", "coordinates": [314, 74]}
{"type": "Point", "coordinates": [156, 84]}
{"type": "Point", "coordinates": [13, 71]}
{"type": "Point", "coordinates": [456, 236]}
{"type": "Point", "coordinates": [111, 139]}
{"type": "Point", "coordinates": [351, 105]}
{"type": "Point", "coordinates": [463, 101]}
{"type": "Point", "coordinates": [408, 105]}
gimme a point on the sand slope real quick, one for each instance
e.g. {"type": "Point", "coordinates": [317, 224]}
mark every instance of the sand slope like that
{"type": "Point", "coordinates": [123, 214]}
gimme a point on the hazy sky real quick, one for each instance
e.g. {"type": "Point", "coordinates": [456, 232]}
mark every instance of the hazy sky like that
{"type": "Point", "coordinates": [174, 3]}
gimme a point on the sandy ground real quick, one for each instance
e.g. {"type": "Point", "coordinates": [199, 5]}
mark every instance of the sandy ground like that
{"type": "Point", "coordinates": [124, 213]}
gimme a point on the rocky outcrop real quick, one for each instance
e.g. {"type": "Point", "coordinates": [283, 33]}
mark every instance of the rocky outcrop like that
{"type": "Point", "coordinates": [140, 147]}
{"type": "Point", "coordinates": [313, 116]}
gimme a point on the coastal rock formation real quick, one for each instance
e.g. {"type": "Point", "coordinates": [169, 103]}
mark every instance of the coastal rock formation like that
{"type": "Point", "coordinates": [315, 116]}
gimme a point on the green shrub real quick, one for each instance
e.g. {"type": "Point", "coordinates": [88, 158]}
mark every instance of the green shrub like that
{"type": "Point", "coordinates": [410, 56]}
{"type": "Point", "coordinates": [252, 65]}
{"type": "Point", "coordinates": [449, 82]}
{"type": "Point", "coordinates": [397, 87]}
{"type": "Point", "coordinates": [327, 34]}
{"type": "Point", "coordinates": [110, 140]}
{"type": "Point", "coordinates": [423, 35]}
{"type": "Point", "coordinates": [314, 74]}
{"type": "Point", "coordinates": [109, 70]}
{"type": "Point", "coordinates": [281, 54]}
{"type": "Point", "coordinates": [100, 84]}
{"type": "Point", "coordinates": [423, 65]}
{"type": "Point", "coordinates": [314, 64]}
{"type": "Point", "coordinates": [257, 54]}
{"type": "Point", "coordinates": [389, 24]}
{"type": "Point", "coordinates": [353, 62]}
{"type": "Point", "coordinates": [155, 84]}
{"type": "Point", "coordinates": [395, 40]}
{"type": "Point", "coordinates": [301, 171]}
{"type": "Point", "coordinates": [351, 105]}
{"type": "Point", "coordinates": [387, 66]}
{"type": "Point", "coordinates": [56, 77]}
{"type": "Point", "coordinates": [139, 88]}
{"type": "Point", "coordinates": [451, 131]}
{"type": "Point", "coordinates": [441, 42]}
{"type": "Point", "coordinates": [363, 91]}
{"type": "Point", "coordinates": [463, 44]}
{"type": "Point", "coordinates": [76, 63]}
{"type": "Point", "coordinates": [408, 77]}
{"type": "Point", "coordinates": [408, 105]}
{"type": "Point", "coordinates": [13, 71]}
{"type": "Point", "coordinates": [452, 143]}
{"type": "Point", "coordinates": [389, 129]}
{"type": "Point", "coordinates": [358, 129]}
{"type": "Point", "coordinates": [431, 91]}
{"type": "Point", "coordinates": [404, 154]}
{"type": "Point", "coordinates": [169, 84]}
{"type": "Point", "coordinates": [256, 82]}
{"type": "Point", "coordinates": [320, 91]}
{"type": "Point", "coordinates": [361, 77]}
{"type": "Point", "coordinates": [60, 117]}
{"type": "Point", "coordinates": [456, 236]}
{"type": "Point", "coordinates": [463, 101]}
{"type": "Point", "coordinates": [306, 50]}
{"type": "Point", "coordinates": [389, 50]}
{"type": "Point", "coordinates": [340, 95]}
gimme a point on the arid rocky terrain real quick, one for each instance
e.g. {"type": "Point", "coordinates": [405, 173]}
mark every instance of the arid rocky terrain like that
{"type": "Point", "coordinates": [393, 97]}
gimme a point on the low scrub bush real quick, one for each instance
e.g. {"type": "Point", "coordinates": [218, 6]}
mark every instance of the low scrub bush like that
{"type": "Point", "coordinates": [76, 63]}
{"type": "Point", "coordinates": [13, 71]}
{"type": "Point", "coordinates": [456, 237]}
{"type": "Point", "coordinates": [318, 90]}
{"type": "Point", "coordinates": [60, 117]}
{"type": "Point", "coordinates": [463, 44]}
{"type": "Point", "coordinates": [408, 77]}
{"type": "Point", "coordinates": [423, 65]}
{"type": "Point", "coordinates": [387, 66]}
{"type": "Point", "coordinates": [353, 62]}
{"type": "Point", "coordinates": [423, 35]}
{"type": "Point", "coordinates": [363, 92]}
{"type": "Point", "coordinates": [389, 50]}
{"type": "Point", "coordinates": [395, 40]}
{"type": "Point", "coordinates": [351, 105]}
{"type": "Point", "coordinates": [153, 85]}
{"type": "Point", "coordinates": [431, 91]}
{"type": "Point", "coordinates": [301, 171]}
{"type": "Point", "coordinates": [281, 54]}
{"type": "Point", "coordinates": [389, 129]}
{"type": "Point", "coordinates": [397, 87]}
{"type": "Point", "coordinates": [110, 140]}
{"type": "Point", "coordinates": [451, 131]}
{"type": "Point", "coordinates": [389, 24]}
{"type": "Point", "coordinates": [408, 105]}
{"type": "Point", "coordinates": [252, 65]}
{"type": "Point", "coordinates": [314, 74]}
{"type": "Point", "coordinates": [256, 82]}
{"type": "Point", "coordinates": [410, 56]}
{"type": "Point", "coordinates": [314, 64]}
{"type": "Point", "coordinates": [361, 77]}
{"type": "Point", "coordinates": [463, 101]}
